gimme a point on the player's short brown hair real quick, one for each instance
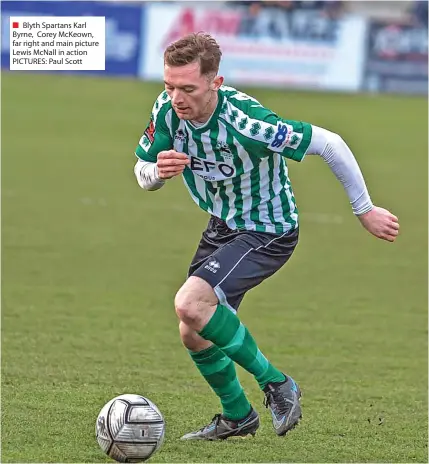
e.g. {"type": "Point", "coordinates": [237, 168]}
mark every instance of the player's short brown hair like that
{"type": "Point", "coordinates": [201, 47]}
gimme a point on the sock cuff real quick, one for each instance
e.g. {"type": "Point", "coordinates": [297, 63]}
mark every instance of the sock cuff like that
{"type": "Point", "coordinates": [213, 323]}
{"type": "Point", "coordinates": [212, 352]}
{"type": "Point", "coordinates": [222, 325]}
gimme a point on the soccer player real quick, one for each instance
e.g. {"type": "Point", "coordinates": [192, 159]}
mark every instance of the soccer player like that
{"type": "Point", "coordinates": [231, 152]}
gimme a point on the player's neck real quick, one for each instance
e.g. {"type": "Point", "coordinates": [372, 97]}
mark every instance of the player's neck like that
{"type": "Point", "coordinates": [209, 110]}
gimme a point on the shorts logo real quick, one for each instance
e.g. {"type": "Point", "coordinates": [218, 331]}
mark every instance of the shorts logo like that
{"type": "Point", "coordinates": [280, 137]}
{"type": "Point", "coordinates": [150, 131]}
{"type": "Point", "coordinates": [213, 265]}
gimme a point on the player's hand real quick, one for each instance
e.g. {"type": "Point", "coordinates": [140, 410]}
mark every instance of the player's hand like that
{"type": "Point", "coordinates": [381, 223]}
{"type": "Point", "coordinates": [170, 163]}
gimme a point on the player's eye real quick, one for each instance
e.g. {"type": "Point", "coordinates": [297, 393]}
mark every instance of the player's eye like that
{"type": "Point", "coordinates": [188, 90]}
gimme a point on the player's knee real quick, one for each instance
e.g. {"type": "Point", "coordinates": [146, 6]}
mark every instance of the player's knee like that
{"type": "Point", "coordinates": [193, 301]}
{"type": "Point", "coordinates": [186, 306]}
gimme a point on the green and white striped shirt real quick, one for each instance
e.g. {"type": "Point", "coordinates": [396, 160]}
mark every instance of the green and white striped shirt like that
{"type": "Point", "coordinates": [237, 168]}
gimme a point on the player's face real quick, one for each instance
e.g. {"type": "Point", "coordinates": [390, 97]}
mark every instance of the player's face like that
{"type": "Point", "coordinates": [193, 96]}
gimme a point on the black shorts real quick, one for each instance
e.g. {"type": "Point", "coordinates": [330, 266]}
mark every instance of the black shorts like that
{"type": "Point", "coordinates": [233, 262]}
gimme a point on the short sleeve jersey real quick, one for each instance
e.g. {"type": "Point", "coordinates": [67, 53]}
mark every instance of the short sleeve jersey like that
{"type": "Point", "coordinates": [238, 170]}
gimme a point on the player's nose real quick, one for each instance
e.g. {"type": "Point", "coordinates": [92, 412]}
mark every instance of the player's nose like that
{"type": "Point", "coordinates": [176, 98]}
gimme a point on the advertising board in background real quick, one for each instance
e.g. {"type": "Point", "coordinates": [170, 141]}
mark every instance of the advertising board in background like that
{"type": "Point", "coordinates": [301, 49]}
{"type": "Point", "coordinates": [396, 58]}
{"type": "Point", "coordinates": [123, 29]}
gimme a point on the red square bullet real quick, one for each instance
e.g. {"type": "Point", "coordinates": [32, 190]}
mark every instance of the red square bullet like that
{"type": "Point", "coordinates": [15, 25]}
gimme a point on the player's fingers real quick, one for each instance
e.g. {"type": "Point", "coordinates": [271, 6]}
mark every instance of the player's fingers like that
{"type": "Point", "coordinates": [170, 173]}
{"type": "Point", "coordinates": [181, 155]}
{"type": "Point", "coordinates": [390, 237]}
{"type": "Point", "coordinates": [177, 161]}
{"type": "Point", "coordinates": [172, 169]}
{"type": "Point", "coordinates": [166, 154]}
{"type": "Point", "coordinates": [171, 154]}
{"type": "Point", "coordinates": [393, 226]}
{"type": "Point", "coordinates": [172, 162]}
{"type": "Point", "coordinates": [393, 218]}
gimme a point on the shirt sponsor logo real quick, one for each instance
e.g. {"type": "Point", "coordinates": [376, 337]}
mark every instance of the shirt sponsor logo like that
{"type": "Point", "coordinates": [202, 165]}
{"type": "Point", "coordinates": [280, 137]}
{"type": "Point", "coordinates": [284, 137]}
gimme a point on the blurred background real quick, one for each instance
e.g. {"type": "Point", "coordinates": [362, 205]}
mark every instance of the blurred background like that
{"type": "Point", "coordinates": [91, 262]}
{"type": "Point", "coordinates": [376, 46]}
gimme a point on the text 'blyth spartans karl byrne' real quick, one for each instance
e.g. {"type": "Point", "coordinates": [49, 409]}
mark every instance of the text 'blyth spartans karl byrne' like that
{"type": "Point", "coordinates": [56, 43]}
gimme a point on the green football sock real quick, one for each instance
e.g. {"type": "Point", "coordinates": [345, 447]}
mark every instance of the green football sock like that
{"type": "Point", "coordinates": [219, 371]}
{"type": "Point", "coordinates": [226, 331]}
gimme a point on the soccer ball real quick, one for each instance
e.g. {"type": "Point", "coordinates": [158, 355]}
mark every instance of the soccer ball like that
{"type": "Point", "coordinates": [130, 428]}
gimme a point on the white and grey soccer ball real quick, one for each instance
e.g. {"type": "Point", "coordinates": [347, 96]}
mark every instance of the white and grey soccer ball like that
{"type": "Point", "coordinates": [130, 428]}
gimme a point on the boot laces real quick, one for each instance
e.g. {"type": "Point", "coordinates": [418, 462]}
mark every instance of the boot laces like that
{"type": "Point", "coordinates": [215, 420]}
{"type": "Point", "coordinates": [277, 401]}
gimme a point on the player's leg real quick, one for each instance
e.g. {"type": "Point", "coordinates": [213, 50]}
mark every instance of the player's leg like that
{"type": "Point", "coordinates": [219, 372]}
{"type": "Point", "coordinates": [231, 271]}
{"type": "Point", "coordinates": [238, 418]}
{"type": "Point", "coordinates": [214, 365]}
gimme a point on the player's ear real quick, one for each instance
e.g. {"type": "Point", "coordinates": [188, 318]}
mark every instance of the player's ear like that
{"type": "Point", "coordinates": [217, 82]}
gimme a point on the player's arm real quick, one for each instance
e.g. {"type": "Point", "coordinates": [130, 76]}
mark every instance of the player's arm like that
{"type": "Point", "coordinates": [152, 176]}
{"type": "Point", "coordinates": [295, 139]}
{"type": "Point", "coordinates": [336, 153]}
{"type": "Point", "coordinates": [155, 139]}
{"type": "Point", "coordinates": [147, 175]}
{"type": "Point", "coordinates": [156, 159]}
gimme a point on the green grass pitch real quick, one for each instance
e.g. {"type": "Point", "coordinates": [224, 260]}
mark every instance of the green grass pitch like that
{"type": "Point", "coordinates": [91, 264]}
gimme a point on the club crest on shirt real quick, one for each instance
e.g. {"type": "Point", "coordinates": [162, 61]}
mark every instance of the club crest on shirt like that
{"type": "Point", "coordinates": [224, 150]}
{"type": "Point", "coordinates": [180, 135]}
